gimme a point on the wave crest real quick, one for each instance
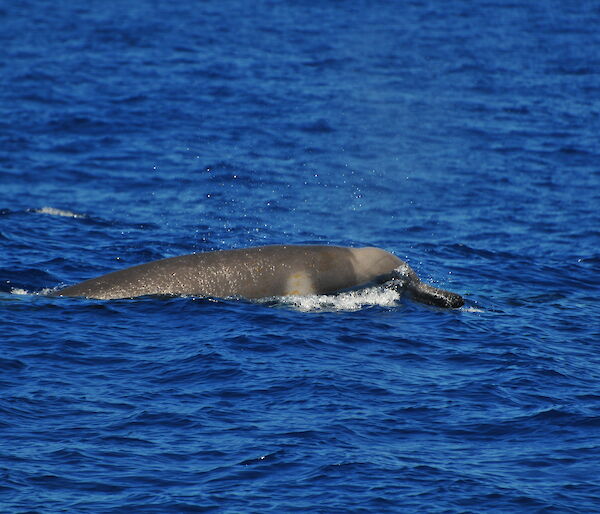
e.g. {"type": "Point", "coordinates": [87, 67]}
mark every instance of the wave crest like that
{"type": "Point", "coordinates": [58, 212]}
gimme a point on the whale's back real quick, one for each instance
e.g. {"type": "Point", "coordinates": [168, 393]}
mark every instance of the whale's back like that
{"type": "Point", "coordinates": [249, 273]}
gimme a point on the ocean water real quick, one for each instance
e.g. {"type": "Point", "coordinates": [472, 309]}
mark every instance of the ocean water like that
{"type": "Point", "coordinates": [462, 136]}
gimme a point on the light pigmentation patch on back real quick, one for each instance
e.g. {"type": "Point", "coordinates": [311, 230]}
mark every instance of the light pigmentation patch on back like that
{"type": "Point", "coordinates": [299, 284]}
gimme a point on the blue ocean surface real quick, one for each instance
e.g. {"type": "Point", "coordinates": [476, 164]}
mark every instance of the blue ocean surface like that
{"type": "Point", "coordinates": [462, 136]}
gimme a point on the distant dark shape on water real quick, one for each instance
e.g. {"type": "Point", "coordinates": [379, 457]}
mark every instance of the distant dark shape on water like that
{"type": "Point", "coordinates": [265, 271]}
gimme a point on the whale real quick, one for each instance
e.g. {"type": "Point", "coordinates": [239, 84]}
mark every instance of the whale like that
{"type": "Point", "coordinates": [264, 271]}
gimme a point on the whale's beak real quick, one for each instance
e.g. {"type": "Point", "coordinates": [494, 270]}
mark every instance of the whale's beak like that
{"type": "Point", "coordinates": [405, 279]}
{"type": "Point", "coordinates": [430, 295]}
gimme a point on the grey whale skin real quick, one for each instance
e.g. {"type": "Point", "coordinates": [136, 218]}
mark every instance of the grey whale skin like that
{"type": "Point", "coordinates": [264, 271]}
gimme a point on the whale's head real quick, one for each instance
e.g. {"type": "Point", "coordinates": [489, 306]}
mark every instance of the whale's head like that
{"type": "Point", "coordinates": [374, 264]}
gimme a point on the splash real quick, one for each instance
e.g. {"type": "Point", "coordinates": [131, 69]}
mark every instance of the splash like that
{"type": "Point", "coordinates": [471, 309]}
{"type": "Point", "coordinates": [349, 301]}
{"type": "Point", "coordinates": [58, 212]}
{"type": "Point", "coordinates": [19, 291]}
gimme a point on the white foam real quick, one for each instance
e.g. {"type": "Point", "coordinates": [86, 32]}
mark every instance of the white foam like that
{"type": "Point", "coordinates": [58, 212]}
{"type": "Point", "coordinates": [19, 291]}
{"type": "Point", "coordinates": [350, 301]}
{"type": "Point", "coordinates": [471, 309]}
{"type": "Point", "coordinates": [23, 292]}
